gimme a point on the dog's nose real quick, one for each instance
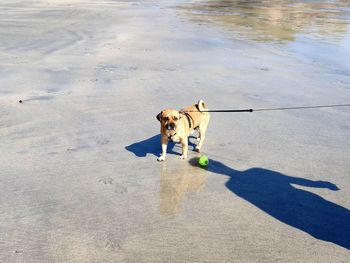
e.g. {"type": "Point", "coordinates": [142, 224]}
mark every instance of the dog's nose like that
{"type": "Point", "coordinates": [171, 126]}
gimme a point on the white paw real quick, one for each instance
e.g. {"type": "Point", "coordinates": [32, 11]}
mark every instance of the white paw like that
{"type": "Point", "coordinates": [161, 158]}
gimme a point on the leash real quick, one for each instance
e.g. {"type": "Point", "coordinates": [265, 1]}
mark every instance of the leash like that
{"type": "Point", "coordinates": [276, 109]}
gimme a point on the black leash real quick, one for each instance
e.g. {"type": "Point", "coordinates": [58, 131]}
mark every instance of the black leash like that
{"type": "Point", "coordinates": [284, 108]}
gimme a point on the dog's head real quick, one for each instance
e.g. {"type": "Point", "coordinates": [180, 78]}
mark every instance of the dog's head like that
{"type": "Point", "coordinates": [170, 119]}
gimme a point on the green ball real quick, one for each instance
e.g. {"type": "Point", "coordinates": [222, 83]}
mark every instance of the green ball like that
{"type": "Point", "coordinates": [203, 161]}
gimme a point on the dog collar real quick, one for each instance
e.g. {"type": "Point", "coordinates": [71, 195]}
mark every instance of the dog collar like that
{"type": "Point", "coordinates": [170, 136]}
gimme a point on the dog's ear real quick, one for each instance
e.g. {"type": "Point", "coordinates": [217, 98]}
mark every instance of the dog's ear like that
{"type": "Point", "coordinates": [159, 116]}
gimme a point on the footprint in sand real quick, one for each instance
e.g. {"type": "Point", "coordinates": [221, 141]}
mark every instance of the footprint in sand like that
{"type": "Point", "coordinates": [106, 181]}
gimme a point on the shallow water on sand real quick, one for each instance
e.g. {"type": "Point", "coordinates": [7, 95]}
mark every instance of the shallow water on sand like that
{"type": "Point", "coordinates": [277, 20]}
{"type": "Point", "coordinates": [314, 29]}
{"type": "Point", "coordinates": [79, 178]}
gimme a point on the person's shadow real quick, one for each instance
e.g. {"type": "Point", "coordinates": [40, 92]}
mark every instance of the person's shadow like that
{"type": "Point", "coordinates": [152, 146]}
{"type": "Point", "coordinates": [274, 193]}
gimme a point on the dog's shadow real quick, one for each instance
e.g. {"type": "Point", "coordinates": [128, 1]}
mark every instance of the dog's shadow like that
{"type": "Point", "coordinates": [275, 194]}
{"type": "Point", "coordinates": [152, 146]}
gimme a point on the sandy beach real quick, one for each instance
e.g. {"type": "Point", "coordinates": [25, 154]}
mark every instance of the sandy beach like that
{"type": "Point", "coordinates": [79, 177]}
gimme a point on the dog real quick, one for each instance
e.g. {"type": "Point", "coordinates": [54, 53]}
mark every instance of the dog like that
{"type": "Point", "coordinates": [177, 125]}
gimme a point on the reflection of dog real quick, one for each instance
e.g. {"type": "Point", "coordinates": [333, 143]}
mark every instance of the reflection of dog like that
{"type": "Point", "coordinates": [176, 180]}
{"type": "Point", "coordinates": [177, 125]}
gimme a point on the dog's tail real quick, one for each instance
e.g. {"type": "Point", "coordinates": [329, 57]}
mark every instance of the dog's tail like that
{"type": "Point", "coordinates": [201, 105]}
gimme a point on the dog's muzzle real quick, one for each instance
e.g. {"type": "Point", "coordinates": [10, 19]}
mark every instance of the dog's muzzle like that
{"type": "Point", "coordinates": [170, 126]}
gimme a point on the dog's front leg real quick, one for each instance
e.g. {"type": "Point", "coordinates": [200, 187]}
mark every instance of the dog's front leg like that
{"type": "Point", "coordinates": [164, 142]}
{"type": "Point", "coordinates": [184, 144]}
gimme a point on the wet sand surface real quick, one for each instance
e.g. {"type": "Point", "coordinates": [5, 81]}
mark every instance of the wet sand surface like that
{"type": "Point", "coordinates": [78, 174]}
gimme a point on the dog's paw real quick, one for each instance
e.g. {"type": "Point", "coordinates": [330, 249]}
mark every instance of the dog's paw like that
{"type": "Point", "coordinates": [161, 158]}
{"type": "Point", "coordinates": [197, 150]}
{"type": "Point", "coordinates": [182, 157]}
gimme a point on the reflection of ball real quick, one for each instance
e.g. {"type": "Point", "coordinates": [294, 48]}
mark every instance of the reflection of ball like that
{"type": "Point", "coordinates": [203, 161]}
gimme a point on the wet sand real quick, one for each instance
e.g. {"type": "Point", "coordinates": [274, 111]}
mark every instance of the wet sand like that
{"type": "Point", "coordinates": [79, 177]}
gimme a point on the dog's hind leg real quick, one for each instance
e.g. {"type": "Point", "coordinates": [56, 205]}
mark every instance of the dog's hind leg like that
{"type": "Point", "coordinates": [201, 136]}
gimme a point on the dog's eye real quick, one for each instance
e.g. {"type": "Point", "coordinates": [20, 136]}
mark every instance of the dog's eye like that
{"type": "Point", "coordinates": [175, 118]}
{"type": "Point", "coordinates": [166, 119]}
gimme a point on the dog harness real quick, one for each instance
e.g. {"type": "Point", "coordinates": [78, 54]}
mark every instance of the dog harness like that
{"type": "Point", "coordinates": [189, 118]}
{"type": "Point", "coordinates": [170, 137]}
{"type": "Point", "coordinates": [190, 121]}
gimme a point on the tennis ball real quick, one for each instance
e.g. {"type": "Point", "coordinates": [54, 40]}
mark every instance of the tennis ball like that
{"type": "Point", "coordinates": [203, 161]}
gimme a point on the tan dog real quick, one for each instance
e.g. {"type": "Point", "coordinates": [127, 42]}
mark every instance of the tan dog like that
{"type": "Point", "coordinates": [177, 125]}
